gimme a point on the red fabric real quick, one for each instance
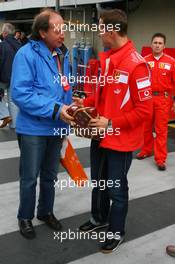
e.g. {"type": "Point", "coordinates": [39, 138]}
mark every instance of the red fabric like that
{"type": "Point", "coordinates": [163, 72]}
{"type": "Point", "coordinates": [159, 123]}
{"type": "Point", "coordinates": [120, 100]}
{"type": "Point", "coordinates": [92, 70]}
{"type": "Point", "coordinates": [163, 79]}
{"type": "Point", "coordinates": [171, 52]}
{"type": "Point", "coordinates": [147, 50]}
{"type": "Point", "coordinates": [90, 88]}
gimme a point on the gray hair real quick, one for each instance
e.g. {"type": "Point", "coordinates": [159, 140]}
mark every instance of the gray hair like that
{"type": "Point", "coordinates": [8, 28]}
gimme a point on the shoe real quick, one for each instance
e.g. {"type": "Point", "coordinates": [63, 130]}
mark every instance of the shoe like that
{"type": "Point", "coordinates": [170, 250]}
{"type": "Point", "coordinates": [141, 156]}
{"type": "Point", "coordinates": [50, 221]}
{"type": "Point", "coordinates": [89, 227]}
{"type": "Point", "coordinates": [6, 120]}
{"type": "Point", "coordinates": [26, 228]}
{"type": "Point", "coordinates": [161, 166]}
{"type": "Point", "coordinates": [110, 245]}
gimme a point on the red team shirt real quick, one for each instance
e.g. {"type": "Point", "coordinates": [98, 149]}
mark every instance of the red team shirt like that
{"type": "Point", "coordinates": [163, 73]}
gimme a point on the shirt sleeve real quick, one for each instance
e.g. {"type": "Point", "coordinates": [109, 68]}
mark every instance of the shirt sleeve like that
{"type": "Point", "coordinates": [173, 76]}
{"type": "Point", "coordinates": [89, 101]}
{"type": "Point", "coordinates": [23, 92]}
{"type": "Point", "coordinates": [141, 96]}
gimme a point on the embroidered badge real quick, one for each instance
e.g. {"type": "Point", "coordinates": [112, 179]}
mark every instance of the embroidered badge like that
{"type": "Point", "coordinates": [117, 91]}
{"type": "Point", "coordinates": [120, 76]}
{"type": "Point", "coordinates": [151, 64]}
{"type": "Point", "coordinates": [143, 83]}
{"type": "Point", "coordinates": [163, 65]}
{"type": "Point", "coordinates": [145, 94]}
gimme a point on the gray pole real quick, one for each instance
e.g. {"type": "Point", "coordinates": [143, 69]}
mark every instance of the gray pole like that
{"type": "Point", "coordinates": [57, 5]}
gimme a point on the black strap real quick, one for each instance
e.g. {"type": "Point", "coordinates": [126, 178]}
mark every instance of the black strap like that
{"type": "Point", "coordinates": [55, 111]}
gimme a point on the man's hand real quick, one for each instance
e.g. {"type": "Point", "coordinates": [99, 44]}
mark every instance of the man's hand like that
{"type": "Point", "coordinates": [100, 122]}
{"type": "Point", "coordinates": [65, 116]}
{"type": "Point", "coordinates": [78, 101]}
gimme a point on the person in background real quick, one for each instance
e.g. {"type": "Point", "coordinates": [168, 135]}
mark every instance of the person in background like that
{"type": "Point", "coordinates": [23, 38]}
{"type": "Point", "coordinates": [162, 83]}
{"type": "Point", "coordinates": [17, 35]}
{"type": "Point", "coordinates": [43, 101]}
{"type": "Point", "coordinates": [8, 48]}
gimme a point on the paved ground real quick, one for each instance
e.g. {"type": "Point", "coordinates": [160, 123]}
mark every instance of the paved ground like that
{"type": "Point", "coordinates": [150, 222]}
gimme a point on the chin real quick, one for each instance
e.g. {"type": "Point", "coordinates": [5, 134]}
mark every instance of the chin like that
{"type": "Point", "coordinates": [59, 45]}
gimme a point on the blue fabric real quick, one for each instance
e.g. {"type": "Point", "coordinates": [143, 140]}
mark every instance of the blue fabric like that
{"type": "Point", "coordinates": [110, 166]}
{"type": "Point", "coordinates": [36, 88]}
{"type": "Point", "coordinates": [39, 155]}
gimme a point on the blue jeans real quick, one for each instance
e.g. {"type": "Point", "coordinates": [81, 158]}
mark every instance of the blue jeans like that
{"type": "Point", "coordinates": [111, 167]}
{"type": "Point", "coordinates": [39, 155]}
{"type": "Point", "coordinates": [12, 109]}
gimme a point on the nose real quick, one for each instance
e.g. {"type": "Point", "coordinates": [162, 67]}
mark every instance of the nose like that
{"type": "Point", "coordinates": [62, 34]}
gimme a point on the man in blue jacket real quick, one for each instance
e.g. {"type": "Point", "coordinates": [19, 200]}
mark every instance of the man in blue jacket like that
{"type": "Point", "coordinates": [43, 99]}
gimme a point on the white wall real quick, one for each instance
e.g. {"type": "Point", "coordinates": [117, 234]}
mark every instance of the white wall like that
{"type": "Point", "coordinates": [153, 16]}
{"type": "Point", "coordinates": [24, 4]}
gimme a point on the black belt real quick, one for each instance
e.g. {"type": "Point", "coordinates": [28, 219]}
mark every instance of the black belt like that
{"type": "Point", "coordinates": [156, 93]}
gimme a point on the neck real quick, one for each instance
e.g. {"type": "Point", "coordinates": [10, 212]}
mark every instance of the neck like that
{"type": "Point", "coordinates": [49, 47]}
{"type": "Point", "coordinates": [119, 42]}
{"type": "Point", "coordinates": [157, 54]}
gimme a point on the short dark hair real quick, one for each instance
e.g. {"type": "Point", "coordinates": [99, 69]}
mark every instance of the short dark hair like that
{"type": "Point", "coordinates": [159, 35]}
{"type": "Point", "coordinates": [116, 16]}
{"type": "Point", "coordinates": [41, 22]}
{"type": "Point", "coordinates": [17, 30]}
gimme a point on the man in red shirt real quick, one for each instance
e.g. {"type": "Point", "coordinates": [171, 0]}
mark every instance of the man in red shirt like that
{"type": "Point", "coordinates": [123, 101]}
{"type": "Point", "coordinates": [163, 81]}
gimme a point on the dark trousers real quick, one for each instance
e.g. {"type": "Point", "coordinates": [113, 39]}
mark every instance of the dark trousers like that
{"type": "Point", "coordinates": [39, 155]}
{"type": "Point", "coordinates": [112, 202]}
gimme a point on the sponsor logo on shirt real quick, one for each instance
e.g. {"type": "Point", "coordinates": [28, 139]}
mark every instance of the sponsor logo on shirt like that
{"type": "Point", "coordinates": [117, 91]}
{"type": "Point", "coordinates": [145, 94]}
{"type": "Point", "coordinates": [163, 65]}
{"type": "Point", "coordinates": [151, 64]}
{"type": "Point", "coordinates": [143, 83]}
{"type": "Point", "coordinates": [120, 76]}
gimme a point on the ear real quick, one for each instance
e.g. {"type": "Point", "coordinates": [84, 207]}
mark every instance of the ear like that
{"type": "Point", "coordinates": [4, 34]}
{"type": "Point", "coordinates": [42, 34]}
{"type": "Point", "coordinates": [112, 34]}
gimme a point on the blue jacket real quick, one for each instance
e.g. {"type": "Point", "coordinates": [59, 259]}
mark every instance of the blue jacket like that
{"type": "Point", "coordinates": [36, 89]}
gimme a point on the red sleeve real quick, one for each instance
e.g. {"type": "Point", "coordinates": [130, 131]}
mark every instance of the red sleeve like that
{"type": "Point", "coordinates": [173, 75]}
{"type": "Point", "coordinates": [89, 101]}
{"type": "Point", "coordinates": [141, 96]}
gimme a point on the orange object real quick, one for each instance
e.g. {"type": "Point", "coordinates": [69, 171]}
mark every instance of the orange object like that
{"type": "Point", "coordinates": [71, 163]}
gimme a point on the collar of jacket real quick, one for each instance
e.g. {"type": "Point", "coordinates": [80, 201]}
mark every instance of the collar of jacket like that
{"type": "Point", "coordinates": [116, 55]}
{"type": "Point", "coordinates": [41, 48]}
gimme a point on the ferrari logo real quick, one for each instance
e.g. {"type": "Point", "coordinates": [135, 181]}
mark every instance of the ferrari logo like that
{"type": "Point", "coordinates": [116, 75]}
{"type": "Point", "coordinates": [151, 64]}
{"type": "Point", "coordinates": [161, 65]}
